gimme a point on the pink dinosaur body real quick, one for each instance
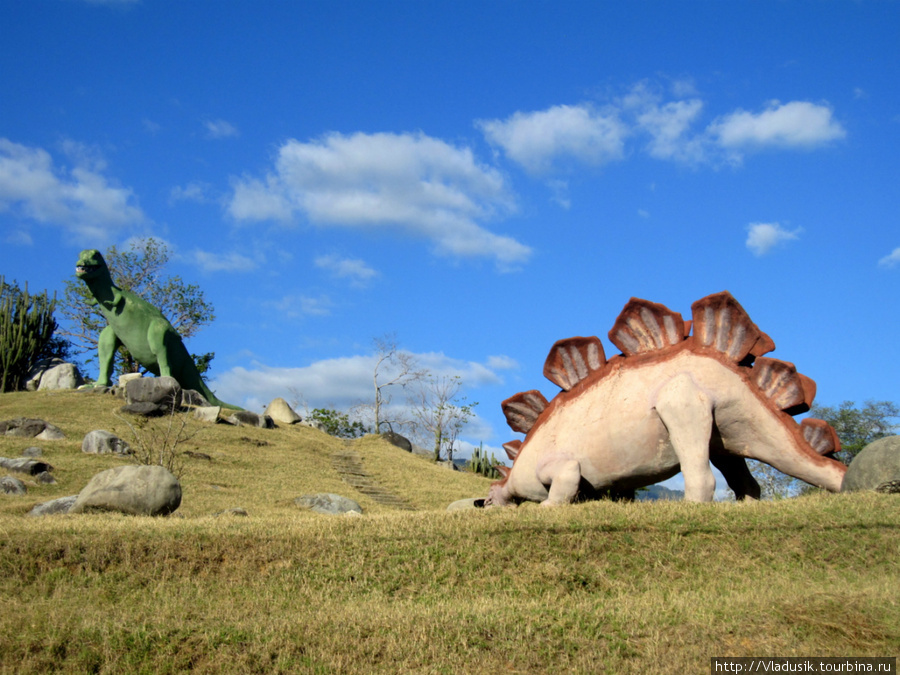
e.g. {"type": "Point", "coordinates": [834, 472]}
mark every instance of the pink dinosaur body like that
{"type": "Point", "coordinates": [671, 402]}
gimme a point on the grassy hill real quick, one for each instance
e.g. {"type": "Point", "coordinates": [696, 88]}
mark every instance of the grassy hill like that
{"type": "Point", "coordinates": [598, 587]}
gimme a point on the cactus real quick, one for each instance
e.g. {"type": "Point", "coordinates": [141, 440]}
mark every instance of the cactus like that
{"type": "Point", "coordinates": [26, 328]}
{"type": "Point", "coordinates": [481, 464]}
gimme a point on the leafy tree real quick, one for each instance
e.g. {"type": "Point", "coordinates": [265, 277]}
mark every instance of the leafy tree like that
{"type": "Point", "coordinates": [337, 423]}
{"type": "Point", "coordinates": [857, 427]}
{"type": "Point", "coordinates": [26, 332]}
{"type": "Point", "coordinates": [139, 269]}
{"type": "Point", "coordinates": [440, 413]}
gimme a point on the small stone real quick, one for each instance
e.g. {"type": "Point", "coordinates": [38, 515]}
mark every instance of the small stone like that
{"type": "Point", "coordinates": [101, 442]}
{"type": "Point", "coordinates": [11, 485]}
{"type": "Point", "coordinates": [61, 505]}
{"type": "Point", "coordinates": [328, 503]}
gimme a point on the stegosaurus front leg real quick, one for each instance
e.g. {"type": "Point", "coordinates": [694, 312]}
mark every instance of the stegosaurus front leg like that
{"type": "Point", "coordinates": [563, 474]}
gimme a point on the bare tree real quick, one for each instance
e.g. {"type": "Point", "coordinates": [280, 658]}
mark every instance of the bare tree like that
{"type": "Point", "coordinates": [440, 413]}
{"type": "Point", "coordinates": [393, 367]}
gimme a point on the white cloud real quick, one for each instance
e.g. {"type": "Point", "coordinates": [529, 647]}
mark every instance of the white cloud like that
{"type": "Point", "coordinates": [195, 191]}
{"type": "Point", "coordinates": [763, 237]}
{"type": "Point", "coordinates": [668, 126]}
{"type": "Point", "coordinates": [220, 129]}
{"type": "Point", "coordinates": [345, 382]}
{"type": "Point", "coordinates": [536, 139]}
{"type": "Point", "coordinates": [502, 362]}
{"type": "Point", "coordinates": [296, 306]}
{"type": "Point", "coordinates": [798, 124]}
{"type": "Point", "coordinates": [890, 260]}
{"type": "Point", "coordinates": [229, 262]}
{"type": "Point", "coordinates": [354, 270]}
{"type": "Point", "coordinates": [79, 199]}
{"type": "Point", "coordinates": [403, 182]}
{"type": "Point", "coordinates": [541, 141]}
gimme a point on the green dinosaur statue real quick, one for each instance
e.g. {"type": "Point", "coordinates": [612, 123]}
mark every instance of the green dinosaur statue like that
{"type": "Point", "coordinates": [140, 327]}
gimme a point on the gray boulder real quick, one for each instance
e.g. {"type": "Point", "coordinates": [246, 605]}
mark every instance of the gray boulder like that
{"type": "Point", "coordinates": [160, 390]}
{"type": "Point", "coordinates": [33, 451]}
{"type": "Point", "coordinates": [61, 505]}
{"type": "Point", "coordinates": [401, 442]}
{"type": "Point", "coordinates": [100, 442]}
{"type": "Point", "coordinates": [26, 427]}
{"type": "Point", "coordinates": [876, 467]}
{"type": "Point", "coordinates": [135, 490]}
{"type": "Point", "coordinates": [193, 399]}
{"type": "Point", "coordinates": [145, 409]}
{"type": "Point", "coordinates": [207, 413]}
{"type": "Point", "coordinates": [26, 465]}
{"type": "Point", "coordinates": [11, 485]}
{"type": "Point", "coordinates": [466, 504]}
{"type": "Point", "coordinates": [245, 418]}
{"type": "Point", "coordinates": [53, 373]}
{"type": "Point", "coordinates": [280, 411]}
{"type": "Point", "coordinates": [328, 503]}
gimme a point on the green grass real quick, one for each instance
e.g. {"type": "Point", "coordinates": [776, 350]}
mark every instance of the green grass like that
{"type": "Point", "coordinates": [590, 588]}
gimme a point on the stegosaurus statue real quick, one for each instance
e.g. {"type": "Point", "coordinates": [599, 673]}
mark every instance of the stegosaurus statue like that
{"type": "Point", "coordinates": [670, 402]}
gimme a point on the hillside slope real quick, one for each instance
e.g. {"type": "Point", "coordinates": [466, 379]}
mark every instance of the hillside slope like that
{"type": "Point", "coordinates": [259, 470]}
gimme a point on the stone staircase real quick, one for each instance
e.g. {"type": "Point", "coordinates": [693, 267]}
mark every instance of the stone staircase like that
{"type": "Point", "coordinates": [349, 466]}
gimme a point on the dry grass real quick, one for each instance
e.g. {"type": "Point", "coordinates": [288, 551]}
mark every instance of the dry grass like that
{"type": "Point", "coordinates": [601, 587]}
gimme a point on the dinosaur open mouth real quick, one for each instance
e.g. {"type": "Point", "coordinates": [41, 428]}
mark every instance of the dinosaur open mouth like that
{"type": "Point", "coordinates": [82, 269]}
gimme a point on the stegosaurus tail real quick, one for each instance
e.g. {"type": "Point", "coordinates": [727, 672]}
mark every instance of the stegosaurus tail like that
{"type": "Point", "coordinates": [719, 327]}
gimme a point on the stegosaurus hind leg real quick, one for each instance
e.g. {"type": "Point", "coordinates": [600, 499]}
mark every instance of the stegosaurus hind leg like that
{"type": "Point", "coordinates": [686, 411]}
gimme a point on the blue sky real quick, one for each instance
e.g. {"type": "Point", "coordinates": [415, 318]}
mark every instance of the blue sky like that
{"type": "Point", "coordinates": [479, 178]}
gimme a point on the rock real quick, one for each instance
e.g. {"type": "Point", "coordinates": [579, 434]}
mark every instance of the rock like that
{"type": "Point", "coordinates": [876, 467]}
{"type": "Point", "coordinates": [53, 373]}
{"type": "Point", "coordinates": [396, 439]}
{"type": "Point", "coordinates": [448, 465]}
{"type": "Point", "coordinates": [145, 409]}
{"type": "Point", "coordinates": [32, 452]}
{"type": "Point", "coordinates": [326, 502]}
{"type": "Point", "coordinates": [160, 390]}
{"type": "Point", "coordinates": [100, 442]}
{"type": "Point", "coordinates": [466, 504]}
{"type": "Point", "coordinates": [236, 511]}
{"type": "Point", "coordinates": [207, 413]}
{"type": "Point", "coordinates": [135, 490]}
{"type": "Point", "coordinates": [26, 427]}
{"type": "Point", "coordinates": [11, 485]}
{"type": "Point", "coordinates": [26, 465]}
{"type": "Point", "coordinates": [61, 505]}
{"type": "Point", "coordinates": [45, 477]}
{"type": "Point", "coordinates": [280, 411]}
{"type": "Point", "coordinates": [128, 377]}
{"type": "Point", "coordinates": [193, 399]}
{"type": "Point", "coordinates": [245, 418]}
{"type": "Point", "coordinates": [314, 424]}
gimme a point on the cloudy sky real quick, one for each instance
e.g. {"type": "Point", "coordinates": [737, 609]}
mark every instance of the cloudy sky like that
{"type": "Point", "coordinates": [480, 178]}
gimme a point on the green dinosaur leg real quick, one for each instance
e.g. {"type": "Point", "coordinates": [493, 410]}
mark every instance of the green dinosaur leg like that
{"type": "Point", "coordinates": [107, 344]}
{"type": "Point", "coordinates": [157, 338]}
{"type": "Point", "coordinates": [687, 413]}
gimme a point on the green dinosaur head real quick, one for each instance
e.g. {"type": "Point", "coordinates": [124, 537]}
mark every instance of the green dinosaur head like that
{"type": "Point", "coordinates": [90, 265]}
